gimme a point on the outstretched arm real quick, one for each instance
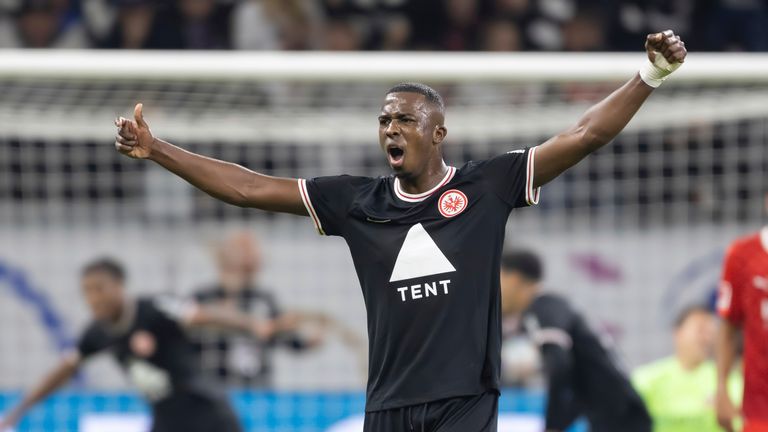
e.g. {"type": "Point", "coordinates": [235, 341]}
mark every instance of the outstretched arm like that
{"type": "Point", "coordinates": [231, 319]}
{"type": "Point", "coordinates": [601, 123]}
{"type": "Point", "coordinates": [55, 379]}
{"type": "Point", "coordinates": [226, 181]}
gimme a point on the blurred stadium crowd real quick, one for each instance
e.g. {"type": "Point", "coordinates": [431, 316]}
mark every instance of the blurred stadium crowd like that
{"type": "Point", "coordinates": [452, 25]}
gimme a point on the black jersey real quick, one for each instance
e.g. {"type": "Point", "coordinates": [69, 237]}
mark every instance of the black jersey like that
{"type": "Point", "coordinates": [428, 266]}
{"type": "Point", "coordinates": [151, 346]}
{"type": "Point", "coordinates": [583, 377]}
{"type": "Point", "coordinates": [237, 359]}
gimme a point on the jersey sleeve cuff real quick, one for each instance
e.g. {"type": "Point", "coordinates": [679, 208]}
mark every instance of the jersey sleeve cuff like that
{"type": "Point", "coordinates": [531, 193]}
{"type": "Point", "coordinates": [308, 205]}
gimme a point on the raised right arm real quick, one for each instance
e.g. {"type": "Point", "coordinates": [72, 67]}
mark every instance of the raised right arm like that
{"type": "Point", "coordinates": [225, 181]}
{"type": "Point", "coordinates": [55, 379]}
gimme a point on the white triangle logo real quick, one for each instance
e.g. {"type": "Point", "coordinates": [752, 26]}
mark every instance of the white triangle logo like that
{"type": "Point", "coordinates": [419, 256]}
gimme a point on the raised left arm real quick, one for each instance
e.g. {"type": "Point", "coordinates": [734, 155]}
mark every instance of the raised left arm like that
{"type": "Point", "coordinates": [601, 123]}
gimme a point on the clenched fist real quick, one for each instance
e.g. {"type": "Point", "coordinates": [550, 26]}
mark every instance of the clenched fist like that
{"type": "Point", "coordinates": [666, 52]}
{"type": "Point", "coordinates": [668, 44]}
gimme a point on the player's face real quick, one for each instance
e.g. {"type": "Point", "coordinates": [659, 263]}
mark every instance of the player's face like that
{"type": "Point", "coordinates": [104, 295]}
{"type": "Point", "coordinates": [410, 131]}
{"type": "Point", "coordinates": [515, 292]}
{"type": "Point", "coordinates": [695, 338]}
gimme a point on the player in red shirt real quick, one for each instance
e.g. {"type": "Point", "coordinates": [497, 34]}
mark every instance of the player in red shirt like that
{"type": "Point", "coordinates": [743, 303]}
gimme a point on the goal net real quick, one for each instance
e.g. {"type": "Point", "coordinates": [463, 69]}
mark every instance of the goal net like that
{"type": "Point", "coordinates": [632, 235]}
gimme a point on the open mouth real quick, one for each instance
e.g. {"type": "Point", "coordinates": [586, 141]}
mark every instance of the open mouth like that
{"type": "Point", "coordinates": [395, 154]}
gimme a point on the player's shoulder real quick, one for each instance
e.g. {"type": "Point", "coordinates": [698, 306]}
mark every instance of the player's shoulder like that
{"type": "Point", "coordinates": [345, 180]}
{"type": "Point", "coordinates": [94, 329]}
{"type": "Point", "coordinates": [656, 370]}
{"type": "Point", "coordinates": [477, 165]}
{"type": "Point", "coordinates": [551, 301]}
{"type": "Point", "coordinates": [745, 245]}
{"type": "Point", "coordinates": [344, 186]}
{"type": "Point", "coordinates": [551, 310]}
{"type": "Point", "coordinates": [147, 302]}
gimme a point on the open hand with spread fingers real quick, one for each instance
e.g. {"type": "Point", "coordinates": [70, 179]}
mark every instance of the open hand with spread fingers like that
{"type": "Point", "coordinates": [134, 139]}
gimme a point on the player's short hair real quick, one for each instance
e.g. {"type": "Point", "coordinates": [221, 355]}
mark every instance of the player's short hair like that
{"type": "Point", "coordinates": [106, 265]}
{"type": "Point", "coordinates": [429, 93]}
{"type": "Point", "coordinates": [524, 262]}
{"type": "Point", "coordinates": [689, 310]}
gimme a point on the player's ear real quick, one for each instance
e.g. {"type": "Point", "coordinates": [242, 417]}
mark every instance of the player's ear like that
{"type": "Point", "coordinates": [438, 134]}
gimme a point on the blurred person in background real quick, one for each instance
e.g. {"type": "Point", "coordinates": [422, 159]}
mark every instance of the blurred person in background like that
{"type": "Point", "coordinates": [239, 360]}
{"type": "Point", "coordinates": [41, 24]}
{"type": "Point", "coordinates": [584, 32]}
{"type": "Point", "coordinates": [460, 28]}
{"type": "Point", "coordinates": [254, 25]}
{"type": "Point", "coordinates": [679, 391]}
{"type": "Point", "coordinates": [501, 35]}
{"type": "Point", "coordinates": [133, 24]}
{"type": "Point", "coordinates": [147, 337]}
{"type": "Point", "coordinates": [160, 24]}
{"type": "Point", "coordinates": [583, 379]}
{"type": "Point", "coordinates": [737, 25]}
{"type": "Point", "coordinates": [276, 24]}
{"type": "Point", "coordinates": [742, 302]}
{"type": "Point", "coordinates": [387, 23]}
{"type": "Point", "coordinates": [202, 24]}
{"type": "Point", "coordinates": [543, 21]}
{"type": "Point", "coordinates": [628, 20]}
{"type": "Point", "coordinates": [520, 12]}
{"type": "Point", "coordinates": [342, 34]}
{"type": "Point", "coordinates": [393, 32]}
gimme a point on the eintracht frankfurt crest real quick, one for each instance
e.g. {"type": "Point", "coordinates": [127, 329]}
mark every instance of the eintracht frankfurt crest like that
{"type": "Point", "coordinates": [452, 202]}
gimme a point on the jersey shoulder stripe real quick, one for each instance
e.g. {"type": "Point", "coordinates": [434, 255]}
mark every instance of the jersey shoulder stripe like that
{"type": "Point", "coordinates": [308, 205]}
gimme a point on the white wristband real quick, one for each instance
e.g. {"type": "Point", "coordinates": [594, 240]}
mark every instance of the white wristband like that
{"type": "Point", "coordinates": [655, 73]}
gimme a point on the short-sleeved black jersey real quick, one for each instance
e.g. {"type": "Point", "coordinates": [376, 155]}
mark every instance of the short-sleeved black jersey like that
{"type": "Point", "coordinates": [239, 359]}
{"type": "Point", "coordinates": [428, 266]}
{"type": "Point", "coordinates": [151, 346]}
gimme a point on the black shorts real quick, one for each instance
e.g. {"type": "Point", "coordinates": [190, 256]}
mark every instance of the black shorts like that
{"type": "Point", "coordinates": [461, 414]}
{"type": "Point", "coordinates": [194, 413]}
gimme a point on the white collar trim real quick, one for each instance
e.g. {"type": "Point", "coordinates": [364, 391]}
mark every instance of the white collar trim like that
{"type": "Point", "coordinates": [764, 238]}
{"type": "Point", "coordinates": [424, 195]}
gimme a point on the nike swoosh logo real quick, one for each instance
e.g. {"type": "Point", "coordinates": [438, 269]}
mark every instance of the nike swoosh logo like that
{"type": "Point", "coordinates": [378, 220]}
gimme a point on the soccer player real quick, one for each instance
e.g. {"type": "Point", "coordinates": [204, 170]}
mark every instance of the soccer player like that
{"type": "Point", "coordinates": [426, 242]}
{"type": "Point", "coordinates": [240, 360]}
{"type": "Point", "coordinates": [582, 377]}
{"type": "Point", "coordinates": [679, 390]}
{"type": "Point", "coordinates": [147, 339]}
{"type": "Point", "coordinates": [743, 304]}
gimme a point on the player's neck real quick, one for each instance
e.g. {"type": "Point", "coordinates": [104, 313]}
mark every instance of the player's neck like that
{"type": "Point", "coordinates": [425, 181]}
{"type": "Point", "coordinates": [689, 363]}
